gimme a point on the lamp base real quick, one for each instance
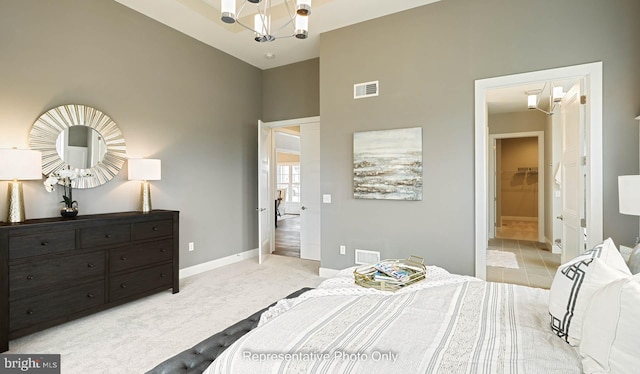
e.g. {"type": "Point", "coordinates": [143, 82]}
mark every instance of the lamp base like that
{"type": "Point", "coordinates": [15, 203]}
{"type": "Point", "coordinates": [145, 197]}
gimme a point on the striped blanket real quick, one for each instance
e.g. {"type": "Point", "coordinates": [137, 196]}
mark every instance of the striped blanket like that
{"type": "Point", "coordinates": [459, 325]}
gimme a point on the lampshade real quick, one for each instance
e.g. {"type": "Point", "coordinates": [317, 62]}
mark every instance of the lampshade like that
{"type": "Point", "coordinates": [144, 169]}
{"type": "Point", "coordinates": [558, 94]}
{"type": "Point", "coordinates": [629, 194]}
{"type": "Point", "coordinates": [20, 164]}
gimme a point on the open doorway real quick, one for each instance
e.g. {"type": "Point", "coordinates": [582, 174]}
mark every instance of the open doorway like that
{"type": "Point", "coordinates": [302, 185]}
{"type": "Point", "coordinates": [581, 192]}
{"type": "Point", "coordinates": [517, 188]}
{"type": "Point", "coordinates": [287, 197]}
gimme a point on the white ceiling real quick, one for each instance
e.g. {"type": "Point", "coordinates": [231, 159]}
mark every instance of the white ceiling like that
{"type": "Point", "coordinates": [200, 19]}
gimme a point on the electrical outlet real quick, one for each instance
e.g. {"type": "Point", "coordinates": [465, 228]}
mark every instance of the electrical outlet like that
{"type": "Point", "coordinates": [343, 250]}
{"type": "Point", "coordinates": [191, 246]}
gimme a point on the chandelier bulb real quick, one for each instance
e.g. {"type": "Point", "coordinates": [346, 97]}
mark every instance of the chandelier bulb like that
{"type": "Point", "coordinates": [228, 10]}
{"type": "Point", "coordinates": [303, 7]}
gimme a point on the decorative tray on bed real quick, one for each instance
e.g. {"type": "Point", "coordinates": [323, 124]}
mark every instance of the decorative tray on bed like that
{"type": "Point", "coordinates": [391, 275]}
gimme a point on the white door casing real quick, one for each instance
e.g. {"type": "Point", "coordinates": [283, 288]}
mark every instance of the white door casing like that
{"type": "Point", "coordinates": [310, 191]}
{"type": "Point", "coordinates": [266, 204]}
{"type": "Point", "coordinates": [573, 187]}
{"type": "Point", "coordinates": [592, 72]}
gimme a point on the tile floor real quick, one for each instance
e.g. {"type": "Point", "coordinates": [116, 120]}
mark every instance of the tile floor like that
{"type": "Point", "coordinates": [537, 264]}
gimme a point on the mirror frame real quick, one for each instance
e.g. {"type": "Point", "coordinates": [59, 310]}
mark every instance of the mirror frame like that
{"type": "Point", "coordinates": [48, 126]}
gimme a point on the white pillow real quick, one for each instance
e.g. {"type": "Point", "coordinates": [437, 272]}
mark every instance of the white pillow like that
{"type": "Point", "coordinates": [634, 260]}
{"type": "Point", "coordinates": [610, 336]}
{"type": "Point", "coordinates": [574, 284]}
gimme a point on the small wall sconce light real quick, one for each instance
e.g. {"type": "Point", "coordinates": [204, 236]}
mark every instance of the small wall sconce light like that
{"type": "Point", "coordinates": [17, 165]}
{"type": "Point", "coordinates": [145, 170]}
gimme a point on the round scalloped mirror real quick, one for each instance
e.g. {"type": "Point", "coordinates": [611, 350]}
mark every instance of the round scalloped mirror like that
{"type": "Point", "coordinates": [81, 138]}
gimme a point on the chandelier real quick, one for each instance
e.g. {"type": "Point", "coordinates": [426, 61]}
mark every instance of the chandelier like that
{"type": "Point", "coordinates": [296, 20]}
{"type": "Point", "coordinates": [556, 94]}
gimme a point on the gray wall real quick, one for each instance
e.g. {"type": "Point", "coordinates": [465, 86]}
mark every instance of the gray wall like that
{"type": "Point", "coordinates": [427, 60]}
{"type": "Point", "coordinates": [174, 98]}
{"type": "Point", "coordinates": [291, 91]}
{"type": "Point", "coordinates": [532, 120]}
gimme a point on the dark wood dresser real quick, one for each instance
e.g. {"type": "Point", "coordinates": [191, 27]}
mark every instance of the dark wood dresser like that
{"type": "Point", "coordinates": [54, 270]}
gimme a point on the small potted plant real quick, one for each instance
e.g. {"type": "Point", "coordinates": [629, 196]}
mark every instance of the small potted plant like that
{"type": "Point", "coordinates": [64, 178]}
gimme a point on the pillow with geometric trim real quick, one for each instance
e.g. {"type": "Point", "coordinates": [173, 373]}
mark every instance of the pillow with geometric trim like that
{"type": "Point", "coordinates": [610, 339]}
{"type": "Point", "coordinates": [575, 283]}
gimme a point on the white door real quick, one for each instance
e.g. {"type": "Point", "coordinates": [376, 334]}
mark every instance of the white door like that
{"type": "Point", "coordinates": [266, 204]}
{"type": "Point", "coordinates": [310, 191]}
{"type": "Point", "coordinates": [573, 182]}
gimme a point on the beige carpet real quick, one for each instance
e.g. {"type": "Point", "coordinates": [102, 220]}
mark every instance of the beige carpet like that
{"type": "Point", "coordinates": [135, 337]}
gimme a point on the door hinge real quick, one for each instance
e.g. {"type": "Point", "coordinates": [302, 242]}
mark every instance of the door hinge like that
{"type": "Point", "coordinates": [583, 222]}
{"type": "Point", "coordinates": [583, 160]}
{"type": "Point", "coordinates": [583, 99]}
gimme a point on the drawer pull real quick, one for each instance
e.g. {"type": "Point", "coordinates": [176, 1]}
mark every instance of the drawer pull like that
{"type": "Point", "coordinates": [163, 275]}
{"type": "Point", "coordinates": [108, 236]}
{"type": "Point", "coordinates": [91, 265]}
{"type": "Point", "coordinates": [163, 250]}
{"type": "Point", "coordinates": [44, 243]}
{"type": "Point", "coordinates": [30, 312]}
{"type": "Point", "coordinates": [123, 285]}
{"type": "Point", "coordinates": [123, 258]}
{"type": "Point", "coordinates": [30, 277]}
{"type": "Point", "coordinates": [90, 295]}
{"type": "Point", "coordinates": [155, 228]}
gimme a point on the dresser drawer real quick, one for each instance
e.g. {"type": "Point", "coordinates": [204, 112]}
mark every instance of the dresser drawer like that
{"type": "Point", "coordinates": [43, 273]}
{"type": "Point", "coordinates": [105, 235]}
{"type": "Point", "coordinates": [153, 229]}
{"type": "Point", "coordinates": [140, 255]}
{"type": "Point", "coordinates": [41, 243]}
{"type": "Point", "coordinates": [31, 311]}
{"type": "Point", "coordinates": [130, 284]}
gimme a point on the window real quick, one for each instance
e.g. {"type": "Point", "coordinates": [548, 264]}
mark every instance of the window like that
{"type": "Point", "coordinates": [289, 181]}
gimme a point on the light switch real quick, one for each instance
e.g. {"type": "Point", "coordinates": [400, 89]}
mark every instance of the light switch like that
{"type": "Point", "coordinates": [326, 198]}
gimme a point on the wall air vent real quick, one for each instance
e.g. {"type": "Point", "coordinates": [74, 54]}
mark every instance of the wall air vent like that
{"type": "Point", "coordinates": [367, 257]}
{"type": "Point", "coordinates": [368, 89]}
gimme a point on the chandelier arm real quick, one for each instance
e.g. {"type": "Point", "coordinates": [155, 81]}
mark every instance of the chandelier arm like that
{"type": "Point", "coordinates": [245, 26]}
{"type": "Point", "coordinates": [283, 26]}
{"type": "Point", "coordinates": [540, 96]}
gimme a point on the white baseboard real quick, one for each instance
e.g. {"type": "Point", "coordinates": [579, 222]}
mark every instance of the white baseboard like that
{"type": "Point", "coordinates": [327, 273]}
{"type": "Point", "coordinates": [214, 264]}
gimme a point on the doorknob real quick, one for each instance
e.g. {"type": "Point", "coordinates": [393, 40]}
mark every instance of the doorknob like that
{"type": "Point", "coordinates": [561, 218]}
{"type": "Point", "coordinates": [303, 207]}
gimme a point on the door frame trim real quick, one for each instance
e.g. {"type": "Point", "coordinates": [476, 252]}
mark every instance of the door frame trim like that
{"type": "Point", "coordinates": [272, 171]}
{"type": "Point", "coordinates": [594, 210]}
{"type": "Point", "coordinates": [541, 173]}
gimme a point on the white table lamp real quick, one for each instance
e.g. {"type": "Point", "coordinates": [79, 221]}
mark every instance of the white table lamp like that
{"type": "Point", "coordinates": [629, 196]}
{"type": "Point", "coordinates": [17, 165]}
{"type": "Point", "coordinates": [145, 170]}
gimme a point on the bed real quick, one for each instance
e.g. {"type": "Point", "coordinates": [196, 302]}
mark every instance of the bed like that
{"type": "Point", "coordinates": [445, 324]}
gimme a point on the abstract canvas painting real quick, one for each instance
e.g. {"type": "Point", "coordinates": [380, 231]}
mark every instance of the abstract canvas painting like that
{"type": "Point", "coordinates": [387, 164]}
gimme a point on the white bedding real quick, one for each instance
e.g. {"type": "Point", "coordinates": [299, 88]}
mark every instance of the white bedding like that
{"type": "Point", "coordinates": [446, 324]}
